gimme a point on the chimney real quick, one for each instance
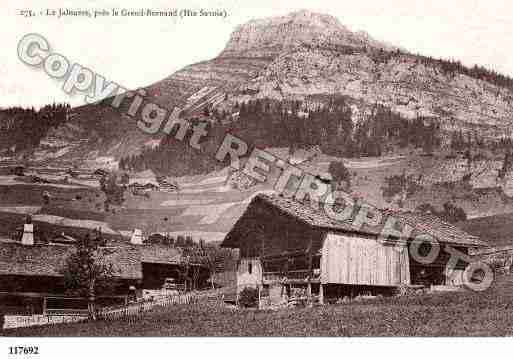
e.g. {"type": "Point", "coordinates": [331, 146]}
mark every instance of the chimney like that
{"type": "Point", "coordinates": [28, 234]}
{"type": "Point", "coordinates": [137, 237]}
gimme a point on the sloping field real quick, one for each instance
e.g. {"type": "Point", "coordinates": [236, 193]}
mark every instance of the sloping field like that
{"type": "Point", "coordinates": [77, 197]}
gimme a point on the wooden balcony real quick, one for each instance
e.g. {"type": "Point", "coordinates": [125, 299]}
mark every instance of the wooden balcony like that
{"type": "Point", "coordinates": [292, 276]}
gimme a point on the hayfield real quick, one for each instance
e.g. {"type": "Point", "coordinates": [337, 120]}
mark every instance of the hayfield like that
{"type": "Point", "coordinates": [438, 314]}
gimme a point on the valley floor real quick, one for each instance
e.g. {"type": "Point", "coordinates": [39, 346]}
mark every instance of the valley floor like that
{"type": "Point", "coordinates": [439, 314]}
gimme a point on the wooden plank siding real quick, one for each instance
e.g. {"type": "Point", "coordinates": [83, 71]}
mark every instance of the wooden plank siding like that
{"type": "Point", "coordinates": [244, 277]}
{"type": "Point", "coordinates": [363, 261]}
{"type": "Point", "coordinates": [265, 231]}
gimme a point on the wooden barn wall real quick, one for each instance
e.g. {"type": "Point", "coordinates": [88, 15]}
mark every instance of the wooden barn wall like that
{"type": "Point", "coordinates": [244, 277]}
{"type": "Point", "coordinates": [269, 232]}
{"type": "Point", "coordinates": [363, 261]}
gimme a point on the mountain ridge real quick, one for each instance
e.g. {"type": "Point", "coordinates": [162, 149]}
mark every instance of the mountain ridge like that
{"type": "Point", "coordinates": [305, 55]}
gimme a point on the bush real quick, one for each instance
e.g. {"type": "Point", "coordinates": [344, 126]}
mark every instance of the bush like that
{"type": "Point", "coordinates": [248, 297]}
{"type": "Point", "coordinates": [340, 173]}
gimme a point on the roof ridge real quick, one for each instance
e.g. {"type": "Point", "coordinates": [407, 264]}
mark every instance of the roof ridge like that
{"type": "Point", "coordinates": [431, 224]}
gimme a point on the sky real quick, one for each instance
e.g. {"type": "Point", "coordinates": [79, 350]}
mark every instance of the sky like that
{"type": "Point", "coordinates": [138, 51]}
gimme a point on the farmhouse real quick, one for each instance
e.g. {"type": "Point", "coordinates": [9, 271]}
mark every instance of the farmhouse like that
{"type": "Point", "coordinates": [145, 180]}
{"type": "Point", "coordinates": [37, 268]}
{"type": "Point", "coordinates": [291, 249]}
{"type": "Point", "coordinates": [167, 185]}
{"type": "Point", "coordinates": [31, 272]}
{"type": "Point", "coordinates": [160, 262]}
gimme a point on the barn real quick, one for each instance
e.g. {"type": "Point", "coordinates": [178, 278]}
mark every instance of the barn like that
{"type": "Point", "coordinates": [289, 249]}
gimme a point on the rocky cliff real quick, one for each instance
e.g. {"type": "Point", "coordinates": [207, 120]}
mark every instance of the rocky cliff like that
{"type": "Point", "coordinates": [272, 36]}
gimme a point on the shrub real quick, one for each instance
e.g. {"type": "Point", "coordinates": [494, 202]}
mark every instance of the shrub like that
{"type": "Point", "coordinates": [340, 173]}
{"type": "Point", "coordinates": [248, 297]}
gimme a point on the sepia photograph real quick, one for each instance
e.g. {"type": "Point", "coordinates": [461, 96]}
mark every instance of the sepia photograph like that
{"type": "Point", "coordinates": [227, 169]}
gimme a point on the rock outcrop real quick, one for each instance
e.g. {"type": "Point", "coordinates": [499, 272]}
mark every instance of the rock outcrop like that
{"type": "Point", "coordinates": [272, 36]}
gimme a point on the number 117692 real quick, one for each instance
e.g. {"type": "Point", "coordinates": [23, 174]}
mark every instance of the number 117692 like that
{"type": "Point", "coordinates": [23, 350]}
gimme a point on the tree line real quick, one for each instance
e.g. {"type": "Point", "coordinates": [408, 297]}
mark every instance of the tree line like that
{"type": "Point", "coordinates": [23, 128]}
{"type": "Point", "coordinates": [293, 124]}
{"type": "Point", "coordinates": [446, 66]}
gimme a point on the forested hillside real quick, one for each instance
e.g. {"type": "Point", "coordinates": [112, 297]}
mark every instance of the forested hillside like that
{"type": "Point", "coordinates": [22, 129]}
{"type": "Point", "coordinates": [269, 123]}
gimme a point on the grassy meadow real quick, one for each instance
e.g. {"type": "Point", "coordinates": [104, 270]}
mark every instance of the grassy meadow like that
{"type": "Point", "coordinates": [489, 313]}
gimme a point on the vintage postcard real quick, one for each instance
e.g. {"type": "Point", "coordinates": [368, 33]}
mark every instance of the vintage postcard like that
{"type": "Point", "coordinates": [255, 169]}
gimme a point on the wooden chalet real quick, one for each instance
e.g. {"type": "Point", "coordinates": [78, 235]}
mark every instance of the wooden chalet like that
{"type": "Point", "coordinates": [160, 261]}
{"type": "Point", "coordinates": [168, 185]}
{"type": "Point", "coordinates": [100, 172]}
{"type": "Point", "coordinates": [144, 181]}
{"type": "Point", "coordinates": [291, 249]}
{"type": "Point", "coordinates": [33, 272]}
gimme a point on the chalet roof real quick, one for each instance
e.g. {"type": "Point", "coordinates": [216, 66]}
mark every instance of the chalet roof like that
{"type": "Point", "coordinates": [316, 218]}
{"type": "Point", "coordinates": [444, 232]}
{"type": "Point", "coordinates": [63, 238]}
{"type": "Point", "coordinates": [48, 260]}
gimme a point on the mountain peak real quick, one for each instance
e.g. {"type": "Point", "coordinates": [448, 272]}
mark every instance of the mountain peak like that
{"type": "Point", "coordinates": [269, 36]}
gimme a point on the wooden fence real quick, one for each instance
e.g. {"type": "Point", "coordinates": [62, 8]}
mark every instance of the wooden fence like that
{"type": "Point", "coordinates": [135, 310]}
{"type": "Point", "coordinates": [129, 312]}
{"type": "Point", "coordinates": [19, 321]}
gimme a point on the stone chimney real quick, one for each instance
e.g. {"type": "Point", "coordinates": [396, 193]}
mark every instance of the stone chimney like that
{"type": "Point", "coordinates": [28, 234]}
{"type": "Point", "coordinates": [137, 237]}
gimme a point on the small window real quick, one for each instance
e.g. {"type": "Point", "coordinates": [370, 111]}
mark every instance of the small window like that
{"type": "Point", "coordinates": [250, 268]}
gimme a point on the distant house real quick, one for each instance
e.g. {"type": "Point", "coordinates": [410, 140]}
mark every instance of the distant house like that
{"type": "Point", "coordinates": [145, 180]}
{"type": "Point", "coordinates": [100, 173]}
{"type": "Point", "coordinates": [161, 261]}
{"type": "Point", "coordinates": [167, 185]}
{"type": "Point", "coordinates": [288, 248]}
{"type": "Point", "coordinates": [158, 263]}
